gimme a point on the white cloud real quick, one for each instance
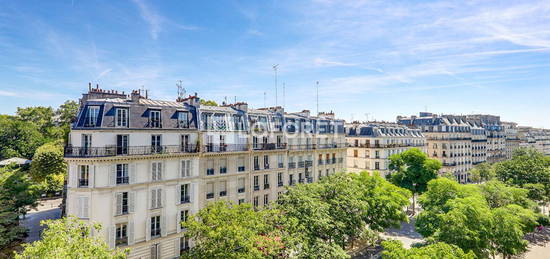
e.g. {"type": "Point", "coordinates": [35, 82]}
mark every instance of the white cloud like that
{"type": "Point", "coordinates": [7, 93]}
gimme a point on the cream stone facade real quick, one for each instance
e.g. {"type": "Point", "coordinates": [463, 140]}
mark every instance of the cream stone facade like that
{"type": "Point", "coordinates": [140, 166]}
{"type": "Point", "coordinates": [371, 144]}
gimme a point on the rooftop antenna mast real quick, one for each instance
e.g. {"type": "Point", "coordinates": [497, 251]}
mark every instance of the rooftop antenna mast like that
{"type": "Point", "coordinates": [317, 87]}
{"type": "Point", "coordinates": [275, 67]}
{"type": "Point", "coordinates": [283, 95]}
{"type": "Point", "coordinates": [181, 90]}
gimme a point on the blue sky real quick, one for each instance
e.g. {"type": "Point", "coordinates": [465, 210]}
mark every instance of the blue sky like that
{"type": "Point", "coordinates": [372, 58]}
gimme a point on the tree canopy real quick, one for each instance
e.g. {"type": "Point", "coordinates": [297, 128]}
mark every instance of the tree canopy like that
{"type": "Point", "coordinates": [48, 167]}
{"type": "Point", "coordinates": [69, 238]}
{"type": "Point", "coordinates": [394, 250]}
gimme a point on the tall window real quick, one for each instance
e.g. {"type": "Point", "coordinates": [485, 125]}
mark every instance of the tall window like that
{"type": "Point", "coordinates": [121, 238]}
{"type": "Point", "coordinates": [92, 115]}
{"type": "Point", "coordinates": [223, 188]}
{"type": "Point", "coordinates": [156, 143]}
{"type": "Point", "coordinates": [122, 174]}
{"type": "Point", "coordinates": [122, 117]}
{"type": "Point", "coordinates": [209, 190]}
{"type": "Point", "coordinates": [280, 179]}
{"type": "Point", "coordinates": [183, 119]}
{"type": "Point", "coordinates": [219, 121]}
{"type": "Point", "coordinates": [266, 181]}
{"type": "Point", "coordinates": [266, 199]}
{"type": "Point", "coordinates": [266, 162]}
{"type": "Point", "coordinates": [154, 119]}
{"type": "Point", "coordinates": [184, 193]}
{"type": "Point", "coordinates": [238, 123]}
{"type": "Point", "coordinates": [122, 203]}
{"type": "Point", "coordinates": [256, 203]}
{"type": "Point", "coordinates": [155, 251]}
{"type": "Point", "coordinates": [210, 167]}
{"type": "Point", "coordinates": [184, 245]}
{"type": "Point", "coordinates": [256, 163]}
{"type": "Point", "coordinates": [156, 171]}
{"type": "Point", "coordinates": [185, 147]}
{"type": "Point", "coordinates": [184, 215]}
{"type": "Point", "coordinates": [240, 164]}
{"type": "Point", "coordinates": [241, 185]}
{"type": "Point", "coordinates": [121, 144]}
{"type": "Point", "coordinates": [83, 175]}
{"type": "Point", "coordinates": [256, 183]}
{"type": "Point", "coordinates": [185, 168]}
{"type": "Point", "coordinates": [156, 198]}
{"type": "Point", "coordinates": [280, 161]}
{"type": "Point", "coordinates": [155, 226]}
{"type": "Point", "coordinates": [223, 166]}
{"type": "Point", "coordinates": [86, 144]}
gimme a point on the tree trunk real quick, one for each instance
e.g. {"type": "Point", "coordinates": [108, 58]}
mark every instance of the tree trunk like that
{"type": "Point", "coordinates": [414, 204]}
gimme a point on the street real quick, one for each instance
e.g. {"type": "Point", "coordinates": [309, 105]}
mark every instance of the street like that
{"type": "Point", "coordinates": [48, 209]}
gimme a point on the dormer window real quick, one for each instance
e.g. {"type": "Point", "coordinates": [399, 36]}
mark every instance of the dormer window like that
{"type": "Point", "coordinates": [183, 119]}
{"type": "Point", "coordinates": [154, 119]}
{"type": "Point", "coordinates": [92, 115]}
{"type": "Point", "coordinates": [122, 117]}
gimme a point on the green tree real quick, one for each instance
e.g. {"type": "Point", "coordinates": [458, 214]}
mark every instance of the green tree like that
{"type": "Point", "coordinates": [66, 114]}
{"type": "Point", "coordinates": [69, 238]}
{"type": "Point", "coordinates": [208, 102]}
{"type": "Point", "coordinates": [413, 170]}
{"type": "Point", "coordinates": [48, 160]}
{"type": "Point", "coordinates": [17, 194]}
{"type": "Point", "coordinates": [18, 138]}
{"type": "Point", "coordinates": [511, 224]}
{"type": "Point", "coordinates": [497, 194]}
{"type": "Point", "coordinates": [43, 118]}
{"type": "Point", "coordinates": [482, 172]}
{"type": "Point", "coordinates": [224, 230]}
{"type": "Point", "coordinates": [394, 250]}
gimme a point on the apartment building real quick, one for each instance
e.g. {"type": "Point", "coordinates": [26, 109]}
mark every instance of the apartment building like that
{"type": "Point", "coordinates": [479, 144]}
{"type": "Point", "coordinates": [449, 140]}
{"type": "Point", "coordinates": [536, 138]}
{"type": "Point", "coordinates": [140, 167]}
{"type": "Point", "coordinates": [512, 138]}
{"type": "Point", "coordinates": [371, 144]}
{"type": "Point", "coordinates": [496, 137]}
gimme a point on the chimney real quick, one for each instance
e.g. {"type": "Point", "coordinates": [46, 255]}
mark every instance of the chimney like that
{"type": "Point", "coordinates": [135, 96]}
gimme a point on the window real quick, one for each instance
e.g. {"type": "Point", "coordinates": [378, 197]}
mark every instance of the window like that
{"type": "Point", "coordinates": [291, 180]}
{"type": "Point", "coordinates": [156, 198]}
{"type": "Point", "coordinates": [219, 121]}
{"type": "Point", "coordinates": [256, 203]}
{"type": "Point", "coordinates": [122, 117]}
{"type": "Point", "coordinates": [184, 215]}
{"type": "Point", "coordinates": [122, 174]}
{"type": "Point", "coordinates": [223, 166]}
{"type": "Point", "coordinates": [210, 167]}
{"type": "Point", "coordinates": [209, 190]}
{"type": "Point", "coordinates": [280, 142]}
{"type": "Point", "coordinates": [155, 226]}
{"type": "Point", "coordinates": [122, 144]}
{"type": "Point", "coordinates": [280, 161]}
{"type": "Point", "coordinates": [92, 116]}
{"type": "Point", "coordinates": [156, 143]}
{"type": "Point", "coordinates": [184, 245]}
{"type": "Point", "coordinates": [256, 183]}
{"type": "Point", "coordinates": [185, 168]}
{"type": "Point", "coordinates": [83, 207]}
{"type": "Point", "coordinates": [185, 146]}
{"type": "Point", "coordinates": [238, 123]}
{"type": "Point", "coordinates": [280, 179]}
{"type": "Point", "coordinates": [266, 162]}
{"type": "Point", "coordinates": [155, 251]}
{"type": "Point", "coordinates": [121, 237]}
{"type": "Point", "coordinates": [266, 199]}
{"type": "Point", "coordinates": [86, 144]}
{"type": "Point", "coordinates": [154, 119]}
{"type": "Point", "coordinates": [184, 193]}
{"type": "Point", "coordinates": [241, 185]}
{"type": "Point", "coordinates": [83, 175]}
{"type": "Point", "coordinates": [256, 163]}
{"type": "Point", "coordinates": [183, 119]}
{"type": "Point", "coordinates": [240, 164]}
{"type": "Point", "coordinates": [223, 188]}
{"type": "Point", "coordinates": [266, 181]}
{"type": "Point", "coordinates": [156, 171]}
{"type": "Point", "coordinates": [122, 203]}
{"type": "Point", "coordinates": [355, 153]}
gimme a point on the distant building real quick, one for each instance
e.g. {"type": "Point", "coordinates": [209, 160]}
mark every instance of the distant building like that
{"type": "Point", "coordinates": [371, 144]}
{"type": "Point", "coordinates": [536, 138]}
{"type": "Point", "coordinates": [15, 160]}
{"type": "Point", "coordinates": [512, 138]}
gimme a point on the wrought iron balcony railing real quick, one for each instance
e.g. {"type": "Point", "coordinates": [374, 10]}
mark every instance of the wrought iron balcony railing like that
{"type": "Point", "coordinates": [71, 151]}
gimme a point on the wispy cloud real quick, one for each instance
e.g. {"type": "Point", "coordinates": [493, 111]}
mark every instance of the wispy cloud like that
{"type": "Point", "coordinates": [156, 21]}
{"type": "Point", "coordinates": [7, 93]}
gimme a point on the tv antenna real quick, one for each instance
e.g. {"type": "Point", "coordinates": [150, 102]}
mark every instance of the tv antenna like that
{"type": "Point", "coordinates": [181, 90]}
{"type": "Point", "coordinates": [283, 95]}
{"type": "Point", "coordinates": [275, 67]}
{"type": "Point", "coordinates": [317, 87]}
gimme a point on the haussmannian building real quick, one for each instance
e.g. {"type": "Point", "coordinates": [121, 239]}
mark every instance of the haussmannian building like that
{"type": "Point", "coordinates": [512, 138]}
{"type": "Point", "coordinates": [140, 167]}
{"type": "Point", "coordinates": [371, 144]}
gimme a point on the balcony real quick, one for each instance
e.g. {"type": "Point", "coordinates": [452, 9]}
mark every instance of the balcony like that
{"type": "Point", "coordinates": [185, 199]}
{"type": "Point", "coordinates": [269, 146]}
{"type": "Point", "coordinates": [225, 147]}
{"type": "Point", "coordinates": [71, 151]}
{"type": "Point", "coordinates": [309, 163]}
{"type": "Point", "coordinates": [123, 180]}
{"type": "Point", "coordinates": [83, 183]}
{"type": "Point", "coordinates": [223, 193]}
{"type": "Point", "coordinates": [301, 164]}
{"type": "Point", "coordinates": [291, 165]}
{"type": "Point", "coordinates": [300, 147]}
{"type": "Point", "coordinates": [210, 171]}
{"type": "Point", "coordinates": [256, 187]}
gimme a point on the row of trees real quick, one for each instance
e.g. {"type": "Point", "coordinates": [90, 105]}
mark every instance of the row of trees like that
{"type": "Point", "coordinates": [318, 220]}
{"type": "Point", "coordinates": [36, 133]}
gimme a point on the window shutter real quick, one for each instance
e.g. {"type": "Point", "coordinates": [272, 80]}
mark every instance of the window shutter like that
{"type": "Point", "coordinates": [177, 248]}
{"type": "Point", "coordinates": [85, 207]}
{"type": "Point", "coordinates": [163, 225]}
{"type": "Point", "coordinates": [119, 203]}
{"type": "Point", "coordinates": [111, 237]}
{"type": "Point", "coordinates": [180, 169]}
{"type": "Point", "coordinates": [73, 175]}
{"type": "Point", "coordinates": [131, 239]}
{"type": "Point", "coordinates": [189, 167]}
{"type": "Point", "coordinates": [133, 173]}
{"type": "Point", "coordinates": [178, 221]}
{"type": "Point", "coordinates": [148, 229]}
{"type": "Point", "coordinates": [178, 194]}
{"type": "Point", "coordinates": [131, 202]}
{"type": "Point", "coordinates": [162, 171]}
{"type": "Point", "coordinates": [115, 204]}
{"type": "Point", "coordinates": [80, 206]}
{"type": "Point", "coordinates": [161, 198]}
{"type": "Point", "coordinates": [150, 172]}
{"type": "Point", "coordinates": [153, 199]}
{"type": "Point", "coordinates": [112, 175]}
{"type": "Point", "coordinates": [91, 176]}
